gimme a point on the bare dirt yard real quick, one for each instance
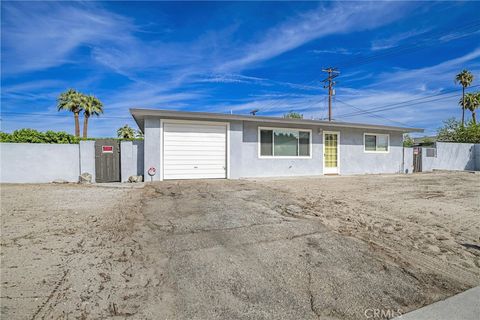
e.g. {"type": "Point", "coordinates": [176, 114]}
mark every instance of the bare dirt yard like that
{"type": "Point", "coordinates": [304, 248]}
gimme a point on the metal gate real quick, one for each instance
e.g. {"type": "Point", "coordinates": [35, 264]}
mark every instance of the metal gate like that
{"type": "Point", "coordinates": [107, 160]}
{"type": "Point", "coordinates": [417, 159]}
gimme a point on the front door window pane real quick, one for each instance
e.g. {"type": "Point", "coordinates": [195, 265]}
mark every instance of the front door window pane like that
{"type": "Point", "coordinates": [331, 152]}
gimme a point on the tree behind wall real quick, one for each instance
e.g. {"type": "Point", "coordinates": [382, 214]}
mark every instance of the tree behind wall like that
{"type": "Point", "coordinates": [92, 107]}
{"type": "Point", "coordinates": [454, 131]}
{"type": "Point", "coordinates": [126, 132]}
{"type": "Point", "coordinates": [293, 115]}
{"type": "Point", "coordinates": [72, 101]}
{"type": "Point", "coordinates": [465, 79]}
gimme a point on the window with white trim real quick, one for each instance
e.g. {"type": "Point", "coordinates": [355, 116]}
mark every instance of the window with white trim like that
{"type": "Point", "coordinates": [375, 142]}
{"type": "Point", "coordinates": [284, 142]}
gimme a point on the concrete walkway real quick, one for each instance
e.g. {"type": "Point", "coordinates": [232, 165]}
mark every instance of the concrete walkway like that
{"type": "Point", "coordinates": [463, 306]}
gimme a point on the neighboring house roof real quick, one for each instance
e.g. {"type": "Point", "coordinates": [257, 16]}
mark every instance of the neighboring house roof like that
{"type": "Point", "coordinates": [140, 114]}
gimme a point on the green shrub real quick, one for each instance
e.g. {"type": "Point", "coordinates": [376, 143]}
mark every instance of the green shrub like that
{"type": "Point", "coordinates": [408, 141]}
{"type": "Point", "coordinates": [34, 136]}
{"type": "Point", "coordinates": [453, 131]}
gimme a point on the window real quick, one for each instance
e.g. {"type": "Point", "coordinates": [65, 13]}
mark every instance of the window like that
{"type": "Point", "coordinates": [284, 142]}
{"type": "Point", "coordinates": [376, 142]}
{"type": "Point", "coordinates": [431, 153]}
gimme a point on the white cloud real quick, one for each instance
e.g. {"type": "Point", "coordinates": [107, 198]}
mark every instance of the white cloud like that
{"type": "Point", "coordinates": [395, 40]}
{"type": "Point", "coordinates": [38, 36]}
{"type": "Point", "coordinates": [340, 18]}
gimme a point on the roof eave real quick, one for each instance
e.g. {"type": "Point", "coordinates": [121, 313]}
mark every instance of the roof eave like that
{"type": "Point", "coordinates": [139, 114]}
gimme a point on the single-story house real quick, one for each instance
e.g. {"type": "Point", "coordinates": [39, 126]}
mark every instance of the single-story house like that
{"type": "Point", "coordinates": [200, 145]}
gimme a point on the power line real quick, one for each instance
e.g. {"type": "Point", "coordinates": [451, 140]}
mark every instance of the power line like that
{"type": "Point", "coordinates": [371, 114]}
{"type": "Point", "coordinates": [57, 115]}
{"type": "Point", "coordinates": [393, 51]}
{"type": "Point", "coordinates": [407, 47]}
{"type": "Point", "coordinates": [402, 103]}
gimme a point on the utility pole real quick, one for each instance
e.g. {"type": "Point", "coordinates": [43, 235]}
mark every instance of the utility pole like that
{"type": "Point", "coordinates": [329, 83]}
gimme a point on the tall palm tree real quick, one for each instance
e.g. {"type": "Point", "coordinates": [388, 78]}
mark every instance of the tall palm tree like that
{"type": "Point", "coordinates": [468, 102]}
{"type": "Point", "coordinates": [72, 101]}
{"type": "Point", "coordinates": [473, 104]}
{"type": "Point", "coordinates": [126, 132]}
{"type": "Point", "coordinates": [465, 78]}
{"type": "Point", "coordinates": [92, 106]}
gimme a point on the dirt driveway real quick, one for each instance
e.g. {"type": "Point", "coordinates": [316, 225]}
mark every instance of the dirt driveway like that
{"type": "Point", "coordinates": [327, 248]}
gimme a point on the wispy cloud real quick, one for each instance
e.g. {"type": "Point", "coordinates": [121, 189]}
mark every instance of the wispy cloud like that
{"type": "Point", "coordinates": [342, 51]}
{"type": "Point", "coordinates": [338, 19]}
{"type": "Point", "coordinates": [37, 36]}
{"type": "Point", "coordinates": [396, 39]}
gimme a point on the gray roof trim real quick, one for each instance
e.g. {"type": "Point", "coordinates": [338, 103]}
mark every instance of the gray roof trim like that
{"type": "Point", "coordinates": [140, 114]}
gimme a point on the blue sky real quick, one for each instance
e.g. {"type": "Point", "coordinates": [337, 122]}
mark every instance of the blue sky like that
{"type": "Point", "coordinates": [235, 57]}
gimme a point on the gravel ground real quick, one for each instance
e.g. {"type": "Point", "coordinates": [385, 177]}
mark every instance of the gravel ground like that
{"type": "Point", "coordinates": [308, 248]}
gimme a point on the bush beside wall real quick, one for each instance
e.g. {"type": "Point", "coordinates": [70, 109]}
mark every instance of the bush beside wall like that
{"type": "Point", "coordinates": [34, 136]}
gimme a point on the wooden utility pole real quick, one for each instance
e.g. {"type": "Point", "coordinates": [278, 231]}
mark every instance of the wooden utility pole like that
{"type": "Point", "coordinates": [329, 83]}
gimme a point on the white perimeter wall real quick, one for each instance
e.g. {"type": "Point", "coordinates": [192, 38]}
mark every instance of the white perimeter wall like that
{"type": "Point", "coordinates": [450, 156]}
{"type": "Point", "coordinates": [42, 162]}
{"type": "Point", "coordinates": [131, 159]}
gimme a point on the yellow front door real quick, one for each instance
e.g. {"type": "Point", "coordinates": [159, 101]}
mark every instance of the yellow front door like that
{"type": "Point", "coordinates": [330, 152]}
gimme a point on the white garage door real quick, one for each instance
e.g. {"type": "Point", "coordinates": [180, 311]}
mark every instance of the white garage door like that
{"type": "Point", "coordinates": [194, 150]}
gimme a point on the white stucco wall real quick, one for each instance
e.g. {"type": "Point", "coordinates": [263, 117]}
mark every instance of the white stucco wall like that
{"type": "Point", "coordinates": [408, 160]}
{"type": "Point", "coordinates": [152, 146]}
{"type": "Point", "coordinates": [39, 162]}
{"type": "Point", "coordinates": [131, 159]}
{"type": "Point", "coordinates": [450, 156]}
{"type": "Point", "coordinates": [244, 160]}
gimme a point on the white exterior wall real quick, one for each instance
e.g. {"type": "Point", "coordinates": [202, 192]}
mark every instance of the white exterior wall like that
{"type": "Point", "coordinates": [39, 162]}
{"type": "Point", "coordinates": [152, 145]}
{"type": "Point", "coordinates": [131, 159]}
{"type": "Point", "coordinates": [450, 156]}
{"type": "Point", "coordinates": [245, 162]}
{"type": "Point", "coordinates": [408, 160]}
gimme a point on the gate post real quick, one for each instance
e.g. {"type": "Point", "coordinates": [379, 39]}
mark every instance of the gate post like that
{"type": "Point", "coordinates": [126, 160]}
{"type": "Point", "coordinates": [87, 158]}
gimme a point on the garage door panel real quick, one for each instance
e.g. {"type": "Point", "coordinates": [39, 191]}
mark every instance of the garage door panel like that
{"type": "Point", "coordinates": [194, 151]}
{"type": "Point", "coordinates": [179, 129]}
{"type": "Point", "coordinates": [193, 148]}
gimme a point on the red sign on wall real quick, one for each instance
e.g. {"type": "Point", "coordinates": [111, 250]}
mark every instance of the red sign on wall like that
{"type": "Point", "coordinates": [107, 149]}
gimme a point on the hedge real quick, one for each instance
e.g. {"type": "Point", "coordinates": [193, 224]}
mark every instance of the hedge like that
{"type": "Point", "coordinates": [34, 136]}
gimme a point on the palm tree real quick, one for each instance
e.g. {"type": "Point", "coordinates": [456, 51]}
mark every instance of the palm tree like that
{"type": "Point", "coordinates": [472, 103]}
{"type": "Point", "coordinates": [72, 101]}
{"type": "Point", "coordinates": [126, 132]}
{"type": "Point", "coordinates": [91, 107]}
{"type": "Point", "coordinates": [465, 78]}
